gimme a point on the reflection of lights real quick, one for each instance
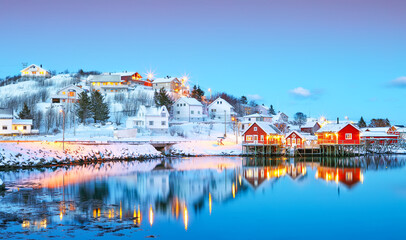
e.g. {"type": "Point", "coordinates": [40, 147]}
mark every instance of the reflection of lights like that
{"type": "Point", "coordinates": [210, 203]}
{"type": "Point", "coordinates": [151, 216]}
{"type": "Point", "coordinates": [317, 175]}
{"type": "Point", "coordinates": [26, 224]}
{"type": "Point", "coordinates": [61, 215]}
{"type": "Point", "coordinates": [239, 179]}
{"type": "Point", "coordinates": [139, 215]}
{"type": "Point", "coordinates": [185, 217]}
{"type": "Point", "coordinates": [361, 177]}
{"type": "Point", "coordinates": [94, 213]}
{"type": "Point", "coordinates": [233, 190]}
{"type": "Point", "coordinates": [177, 208]}
{"type": "Point", "coordinates": [121, 212]}
{"type": "Point", "coordinates": [43, 223]}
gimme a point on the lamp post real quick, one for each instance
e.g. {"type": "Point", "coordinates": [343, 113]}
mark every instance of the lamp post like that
{"type": "Point", "coordinates": [225, 123]}
{"type": "Point", "coordinates": [210, 93]}
{"type": "Point", "coordinates": [74, 116]}
{"type": "Point", "coordinates": [63, 130]}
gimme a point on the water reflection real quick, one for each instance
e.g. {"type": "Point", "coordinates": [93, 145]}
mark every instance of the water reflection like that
{"type": "Point", "coordinates": [177, 189]}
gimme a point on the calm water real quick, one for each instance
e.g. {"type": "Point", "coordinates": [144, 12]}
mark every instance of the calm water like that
{"type": "Point", "coordinates": [212, 197]}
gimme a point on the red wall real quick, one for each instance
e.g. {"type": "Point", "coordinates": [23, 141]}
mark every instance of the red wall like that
{"type": "Point", "coordinates": [290, 138]}
{"type": "Point", "coordinates": [331, 138]}
{"type": "Point", "coordinates": [260, 133]}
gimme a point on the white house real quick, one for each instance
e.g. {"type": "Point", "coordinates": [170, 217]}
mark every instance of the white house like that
{"type": "Point", "coordinates": [262, 109]}
{"type": "Point", "coordinates": [151, 118]}
{"type": "Point", "coordinates": [220, 109]}
{"type": "Point", "coordinates": [34, 71]}
{"type": "Point", "coordinates": [187, 109]}
{"type": "Point", "coordinates": [67, 94]}
{"type": "Point", "coordinates": [10, 126]}
{"type": "Point", "coordinates": [256, 117]}
{"type": "Point", "coordinates": [107, 83]}
{"type": "Point", "coordinates": [169, 84]}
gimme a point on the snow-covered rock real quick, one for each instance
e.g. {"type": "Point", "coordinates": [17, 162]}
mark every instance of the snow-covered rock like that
{"type": "Point", "coordinates": [1, 185]}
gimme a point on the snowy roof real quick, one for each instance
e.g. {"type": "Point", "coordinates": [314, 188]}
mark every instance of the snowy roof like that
{"type": "Point", "coordinates": [105, 78]}
{"type": "Point", "coordinates": [309, 124]}
{"type": "Point", "coordinates": [257, 115]}
{"type": "Point", "coordinates": [33, 67]}
{"type": "Point", "coordinates": [22, 121]}
{"type": "Point", "coordinates": [6, 113]}
{"type": "Point", "coordinates": [74, 87]}
{"type": "Point", "coordinates": [376, 129]}
{"type": "Point", "coordinates": [268, 128]}
{"type": "Point", "coordinates": [152, 111]}
{"type": "Point", "coordinates": [334, 127]}
{"type": "Point", "coordinates": [189, 101]}
{"type": "Point", "coordinates": [220, 99]}
{"type": "Point", "coordinates": [123, 73]}
{"type": "Point", "coordinates": [377, 134]}
{"type": "Point", "coordinates": [165, 80]}
{"type": "Point", "coordinates": [295, 132]}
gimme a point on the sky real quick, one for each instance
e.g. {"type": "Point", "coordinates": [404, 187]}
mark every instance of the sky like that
{"type": "Point", "coordinates": [343, 58]}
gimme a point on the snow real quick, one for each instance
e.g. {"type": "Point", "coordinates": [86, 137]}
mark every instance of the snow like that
{"type": "Point", "coordinates": [41, 153]}
{"type": "Point", "coordinates": [1, 182]}
{"type": "Point", "coordinates": [204, 148]}
{"type": "Point", "coordinates": [189, 101]}
{"type": "Point", "coordinates": [334, 127]}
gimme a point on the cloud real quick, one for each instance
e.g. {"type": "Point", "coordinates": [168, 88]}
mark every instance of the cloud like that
{"type": "Point", "coordinates": [398, 82]}
{"type": "Point", "coordinates": [301, 92]}
{"type": "Point", "coordinates": [254, 97]}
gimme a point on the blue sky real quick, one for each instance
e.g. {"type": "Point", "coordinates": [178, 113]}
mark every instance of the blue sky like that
{"type": "Point", "coordinates": [331, 58]}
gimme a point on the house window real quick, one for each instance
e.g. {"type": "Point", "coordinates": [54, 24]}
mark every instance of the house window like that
{"type": "Point", "coordinates": [255, 129]}
{"type": "Point", "coordinates": [294, 141]}
{"type": "Point", "coordinates": [348, 136]}
{"type": "Point", "coordinates": [151, 123]}
{"type": "Point", "coordinates": [63, 93]}
{"type": "Point", "coordinates": [163, 123]}
{"type": "Point", "coordinates": [248, 138]}
{"type": "Point", "coordinates": [288, 141]}
{"type": "Point", "coordinates": [178, 112]}
{"type": "Point", "coordinates": [4, 127]}
{"type": "Point", "coordinates": [25, 127]}
{"type": "Point", "coordinates": [192, 112]}
{"type": "Point", "coordinates": [15, 127]}
{"type": "Point", "coordinates": [249, 119]}
{"type": "Point", "coordinates": [262, 137]}
{"type": "Point", "coordinates": [198, 112]}
{"type": "Point", "coordinates": [163, 114]}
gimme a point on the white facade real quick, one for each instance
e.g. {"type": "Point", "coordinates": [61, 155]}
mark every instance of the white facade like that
{"type": "Point", "coordinates": [187, 109]}
{"type": "Point", "coordinates": [67, 94]}
{"type": "Point", "coordinates": [107, 83]}
{"type": "Point", "coordinates": [15, 126]}
{"type": "Point", "coordinates": [152, 118]}
{"type": "Point", "coordinates": [169, 84]}
{"type": "Point", "coordinates": [256, 117]}
{"type": "Point", "coordinates": [220, 109]}
{"type": "Point", "coordinates": [34, 71]}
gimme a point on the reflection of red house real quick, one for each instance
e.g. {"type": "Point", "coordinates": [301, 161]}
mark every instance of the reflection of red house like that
{"type": "Point", "coordinates": [262, 133]}
{"type": "Point", "coordinates": [341, 133]}
{"type": "Point", "coordinates": [137, 79]}
{"type": "Point", "coordinates": [255, 176]}
{"type": "Point", "coordinates": [347, 176]}
{"type": "Point", "coordinates": [297, 171]}
{"type": "Point", "coordinates": [295, 139]}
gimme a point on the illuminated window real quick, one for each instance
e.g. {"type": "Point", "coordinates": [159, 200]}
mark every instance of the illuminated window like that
{"type": "Point", "coordinates": [98, 84]}
{"type": "Point", "coordinates": [71, 94]}
{"type": "Point", "coordinates": [15, 127]}
{"type": "Point", "coordinates": [63, 93]}
{"type": "Point", "coordinates": [348, 136]}
{"type": "Point", "coordinates": [248, 138]}
{"type": "Point", "coordinates": [348, 176]}
{"type": "Point", "coordinates": [93, 83]}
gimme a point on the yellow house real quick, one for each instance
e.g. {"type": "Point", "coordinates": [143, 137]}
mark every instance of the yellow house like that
{"type": "Point", "coordinates": [34, 71]}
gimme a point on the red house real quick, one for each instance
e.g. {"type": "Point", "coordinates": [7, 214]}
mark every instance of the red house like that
{"type": "Point", "coordinates": [136, 78]}
{"type": "Point", "coordinates": [341, 133]}
{"type": "Point", "coordinates": [381, 135]}
{"type": "Point", "coordinates": [295, 139]}
{"type": "Point", "coordinates": [262, 133]}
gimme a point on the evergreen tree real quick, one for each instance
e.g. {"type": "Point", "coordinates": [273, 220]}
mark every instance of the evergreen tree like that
{"type": "Point", "coordinates": [362, 123]}
{"type": "Point", "coordinates": [25, 113]}
{"type": "Point", "coordinates": [83, 107]}
{"type": "Point", "coordinates": [162, 98]}
{"type": "Point", "coordinates": [197, 93]}
{"type": "Point", "coordinates": [243, 100]}
{"type": "Point", "coordinates": [99, 109]}
{"type": "Point", "coordinates": [272, 110]}
{"type": "Point", "coordinates": [300, 118]}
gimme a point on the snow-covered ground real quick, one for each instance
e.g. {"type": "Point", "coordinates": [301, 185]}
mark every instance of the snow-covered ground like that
{"type": "Point", "coordinates": [206, 147]}
{"type": "Point", "coordinates": [43, 153]}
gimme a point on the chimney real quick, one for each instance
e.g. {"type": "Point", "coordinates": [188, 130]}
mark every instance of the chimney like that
{"type": "Point", "coordinates": [338, 121]}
